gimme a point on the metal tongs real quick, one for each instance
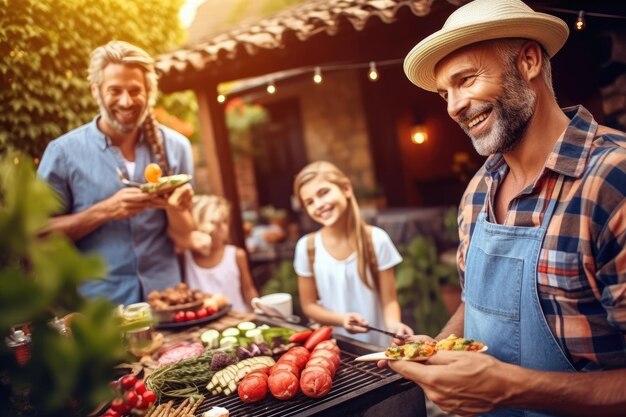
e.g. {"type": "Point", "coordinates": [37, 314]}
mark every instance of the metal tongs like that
{"type": "Point", "coordinates": [395, 336]}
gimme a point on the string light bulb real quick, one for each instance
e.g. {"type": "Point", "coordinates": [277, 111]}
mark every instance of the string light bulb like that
{"type": "Point", "coordinates": [271, 88]}
{"type": "Point", "coordinates": [580, 21]}
{"type": "Point", "coordinates": [373, 73]}
{"type": "Point", "coordinates": [317, 76]}
{"type": "Point", "coordinates": [221, 98]}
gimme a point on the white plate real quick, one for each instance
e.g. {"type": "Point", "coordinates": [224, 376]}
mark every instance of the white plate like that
{"type": "Point", "coordinates": [379, 356]}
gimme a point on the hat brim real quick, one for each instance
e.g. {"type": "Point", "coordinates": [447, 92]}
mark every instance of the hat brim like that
{"type": "Point", "coordinates": [419, 64]}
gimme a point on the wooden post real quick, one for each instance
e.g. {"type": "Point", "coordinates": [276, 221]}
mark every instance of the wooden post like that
{"type": "Point", "coordinates": [218, 156]}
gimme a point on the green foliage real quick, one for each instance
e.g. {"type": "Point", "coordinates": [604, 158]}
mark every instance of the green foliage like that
{"type": "Point", "coordinates": [418, 281]}
{"type": "Point", "coordinates": [241, 118]}
{"type": "Point", "coordinates": [45, 47]}
{"type": "Point", "coordinates": [284, 279]}
{"type": "Point", "coordinates": [183, 104]}
{"type": "Point", "coordinates": [38, 282]}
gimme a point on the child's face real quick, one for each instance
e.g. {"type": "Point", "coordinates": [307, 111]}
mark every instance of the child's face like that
{"type": "Point", "coordinates": [324, 201]}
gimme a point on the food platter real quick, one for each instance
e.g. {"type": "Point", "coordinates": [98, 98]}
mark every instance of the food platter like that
{"type": "Point", "coordinates": [165, 184]}
{"type": "Point", "coordinates": [182, 324]}
{"type": "Point", "coordinates": [380, 356]}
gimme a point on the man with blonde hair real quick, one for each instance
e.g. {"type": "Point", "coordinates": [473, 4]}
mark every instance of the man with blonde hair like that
{"type": "Point", "coordinates": [126, 226]}
{"type": "Point", "coordinates": [542, 226]}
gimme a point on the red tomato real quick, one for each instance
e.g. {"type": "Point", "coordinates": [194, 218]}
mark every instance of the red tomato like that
{"type": "Point", "coordinates": [140, 387]}
{"type": "Point", "coordinates": [180, 317]}
{"type": "Point", "coordinates": [118, 405]}
{"type": "Point", "coordinates": [210, 310]}
{"type": "Point", "coordinates": [190, 315]}
{"type": "Point", "coordinates": [201, 313]}
{"type": "Point", "coordinates": [128, 381]}
{"type": "Point", "coordinates": [131, 398]}
{"type": "Point", "coordinates": [111, 413]}
{"type": "Point", "coordinates": [149, 397]}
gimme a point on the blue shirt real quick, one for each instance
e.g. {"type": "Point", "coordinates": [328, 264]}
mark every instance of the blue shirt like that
{"type": "Point", "coordinates": [80, 167]}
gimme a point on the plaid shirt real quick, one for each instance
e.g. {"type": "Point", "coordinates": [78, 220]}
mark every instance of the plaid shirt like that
{"type": "Point", "coordinates": [582, 264]}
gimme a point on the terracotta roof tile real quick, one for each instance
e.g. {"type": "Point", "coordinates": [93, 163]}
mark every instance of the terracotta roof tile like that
{"type": "Point", "coordinates": [304, 21]}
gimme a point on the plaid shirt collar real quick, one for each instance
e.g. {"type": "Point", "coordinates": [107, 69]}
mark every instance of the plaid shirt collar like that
{"type": "Point", "coordinates": [569, 155]}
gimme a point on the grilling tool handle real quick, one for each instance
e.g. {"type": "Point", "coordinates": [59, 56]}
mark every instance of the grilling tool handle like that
{"type": "Point", "coordinates": [396, 336]}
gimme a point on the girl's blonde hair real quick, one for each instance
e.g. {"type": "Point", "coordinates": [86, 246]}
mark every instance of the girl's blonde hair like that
{"type": "Point", "coordinates": [357, 228]}
{"type": "Point", "coordinates": [208, 210]}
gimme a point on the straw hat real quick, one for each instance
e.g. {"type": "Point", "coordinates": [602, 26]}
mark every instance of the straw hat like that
{"type": "Point", "coordinates": [477, 21]}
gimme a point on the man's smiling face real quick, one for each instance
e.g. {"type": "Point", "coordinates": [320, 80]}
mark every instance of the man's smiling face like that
{"type": "Point", "coordinates": [487, 96]}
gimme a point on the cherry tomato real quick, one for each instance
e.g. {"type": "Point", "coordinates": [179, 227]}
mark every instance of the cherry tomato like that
{"type": "Point", "coordinates": [190, 315]}
{"type": "Point", "coordinates": [180, 316]}
{"type": "Point", "coordinates": [201, 313]}
{"type": "Point", "coordinates": [131, 398]}
{"type": "Point", "coordinates": [111, 413]}
{"type": "Point", "coordinates": [128, 381]}
{"type": "Point", "coordinates": [140, 387]}
{"type": "Point", "coordinates": [118, 405]}
{"type": "Point", "coordinates": [148, 397]}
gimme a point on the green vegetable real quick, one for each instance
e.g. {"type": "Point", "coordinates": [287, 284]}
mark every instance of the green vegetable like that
{"type": "Point", "coordinates": [182, 379]}
{"type": "Point", "coordinates": [272, 333]}
{"type": "Point", "coordinates": [225, 381]}
{"type": "Point", "coordinates": [245, 326]}
{"type": "Point", "coordinates": [231, 331]}
{"type": "Point", "coordinates": [229, 342]}
{"type": "Point", "coordinates": [210, 338]}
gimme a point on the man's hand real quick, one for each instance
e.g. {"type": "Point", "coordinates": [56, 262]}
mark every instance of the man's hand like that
{"type": "Point", "coordinates": [462, 383]}
{"type": "Point", "coordinates": [399, 328]}
{"type": "Point", "coordinates": [179, 199]}
{"type": "Point", "coordinates": [126, 203]}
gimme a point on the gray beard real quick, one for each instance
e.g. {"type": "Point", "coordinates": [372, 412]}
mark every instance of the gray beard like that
{"type": "Point", "coordinates": [512, 112]}
{"type": "Point", "coordinates": [116, 125]}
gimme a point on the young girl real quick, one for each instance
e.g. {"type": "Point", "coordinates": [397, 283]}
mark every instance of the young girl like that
{"type": "Point", "coordinates": [351, 281]}
{"type": "Point", "coordinates": [223, 268]}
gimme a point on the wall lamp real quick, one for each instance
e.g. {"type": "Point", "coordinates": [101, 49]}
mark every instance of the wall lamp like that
{"type": "Point", "coordinates": [419, 134]}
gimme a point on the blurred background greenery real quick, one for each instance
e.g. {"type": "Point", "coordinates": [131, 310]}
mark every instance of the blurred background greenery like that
{"type": "Point", "coordinates": [39, 276]}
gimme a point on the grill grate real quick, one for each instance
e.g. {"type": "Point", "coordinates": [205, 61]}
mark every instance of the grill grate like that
{"type": "Point", "coordinates": [353, 379]}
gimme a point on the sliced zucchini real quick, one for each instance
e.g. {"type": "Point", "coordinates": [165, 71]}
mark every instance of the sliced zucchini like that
{"type": "Point", "coordinates": [231, 331]}
{"type": "Point", "coordinates": [228, 342]}
{"type": "Point", "coordinates": [256, 335]}
{"type": "Point", "coordinates": [244, 326]}
{"type": "Point", "coordinates": [210, 338]}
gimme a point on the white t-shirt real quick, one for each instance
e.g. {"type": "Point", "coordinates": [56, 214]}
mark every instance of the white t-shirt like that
{"type": "Point", "coordinates": [223, 278]}
{"type": "Point", "coordinates": [339, 286]}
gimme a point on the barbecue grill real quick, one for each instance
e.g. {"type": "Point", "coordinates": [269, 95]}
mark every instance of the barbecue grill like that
{"type": "Point", "coordinates": [357, 387]}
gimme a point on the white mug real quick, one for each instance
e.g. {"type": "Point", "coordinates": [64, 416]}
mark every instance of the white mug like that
{"type": "Point", "coordinates": [274, 303]}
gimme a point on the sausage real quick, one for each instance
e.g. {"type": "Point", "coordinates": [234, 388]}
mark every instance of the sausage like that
{"type": "Point", "coordinates": [328, 345]}
{"type": "Point", "coordinates": [322, 362]}
{"type": "Point", "coordinates": [315, 382]}
{"type": "Point", "coordinates": [327, 354]}
{"type": "Point", "coordinates": [253, 388]}
{"type": "Point", "coordinates": [297, 358]}
{"type": "Point", "coordinates": [283, 385]}
{"type": "Point", "coordinates": [287, 366]}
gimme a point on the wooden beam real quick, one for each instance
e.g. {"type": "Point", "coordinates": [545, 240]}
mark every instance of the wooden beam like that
{"type": "Point", "coordinates": [219, 157]}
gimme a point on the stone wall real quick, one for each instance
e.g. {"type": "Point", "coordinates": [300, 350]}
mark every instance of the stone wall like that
{"type": "Point", "coordinates": [334, 125]}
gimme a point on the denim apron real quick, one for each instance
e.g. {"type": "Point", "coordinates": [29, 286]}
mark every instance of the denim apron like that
{"type": "Point", "coordinates": [502, 305]}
